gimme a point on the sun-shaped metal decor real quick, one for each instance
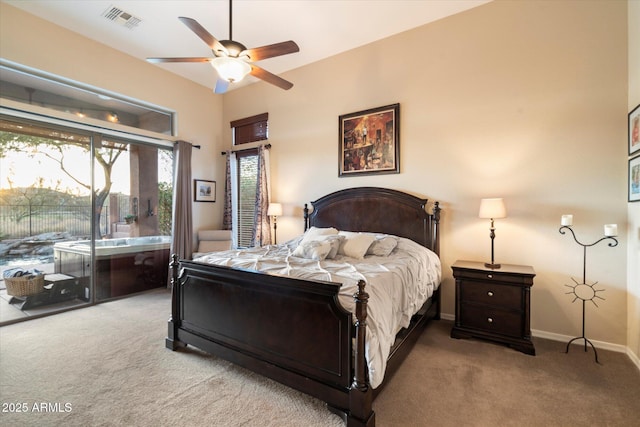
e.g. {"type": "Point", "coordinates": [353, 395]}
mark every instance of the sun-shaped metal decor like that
{"type": "Point", "coordinates": [584, 291]}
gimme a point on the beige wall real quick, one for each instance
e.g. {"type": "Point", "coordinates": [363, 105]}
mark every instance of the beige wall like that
{"type": "Point", "coordinates": [633, 259]}
{"type": "Point", "coordinates": [522, 100]}
{"type": "Point", "coordinates": [36, 43]}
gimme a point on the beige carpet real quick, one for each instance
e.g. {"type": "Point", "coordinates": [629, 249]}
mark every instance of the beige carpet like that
{"type": "Point", "coordinates": [107, 366]}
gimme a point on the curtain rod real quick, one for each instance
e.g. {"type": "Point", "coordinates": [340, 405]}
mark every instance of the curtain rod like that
{"type": "Point", "coordinates": [193, 145]}
{"type": "Point", "coordinates": [224, 153]}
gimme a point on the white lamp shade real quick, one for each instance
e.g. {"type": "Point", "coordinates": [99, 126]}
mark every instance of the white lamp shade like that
{"type": "Point", "coordinates": [230, 69]}
{"type": "Point", "coordinates": [275, 209]}
{"type": "Point", "coordinates": [492, 208]}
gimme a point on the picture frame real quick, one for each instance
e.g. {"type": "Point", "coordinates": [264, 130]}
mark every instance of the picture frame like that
{"type": "Point", "coordinates": [634, 130]}
{"type": "Point", "coordinates": [634, 179]}
{"type": "Point", "coordinates": [204, 191]}
{"type": "Point", "coordinates": [369, 141]}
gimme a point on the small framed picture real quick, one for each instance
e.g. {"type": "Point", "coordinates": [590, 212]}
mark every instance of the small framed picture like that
{"type": "Point", "coordinates": [634, 179]}
{"type": "Point", "coordinates": [634, 130]}
{"type": "Point", "coordinates": [370, 142]}
{"type": "Point", "coordinates": [204, 191]}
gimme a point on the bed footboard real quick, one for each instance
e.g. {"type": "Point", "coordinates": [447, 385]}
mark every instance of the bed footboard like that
{"type": "Point", "coordinates": [291, 330]}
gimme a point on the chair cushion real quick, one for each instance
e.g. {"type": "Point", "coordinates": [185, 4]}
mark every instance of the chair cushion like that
{"type": "Point", "coordinates": [214, 235]}
{"type": "Point", "coordinates": [213, 241]}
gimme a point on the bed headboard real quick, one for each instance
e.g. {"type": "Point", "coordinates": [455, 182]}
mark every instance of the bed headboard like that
{"type": "Point", "coordinates": [378, 210]}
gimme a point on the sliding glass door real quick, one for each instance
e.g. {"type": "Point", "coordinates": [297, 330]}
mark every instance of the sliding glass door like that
{"type": "Point", "coordinates": [133, 202]}
{"type": "Point", "coordinates": [90, 212]}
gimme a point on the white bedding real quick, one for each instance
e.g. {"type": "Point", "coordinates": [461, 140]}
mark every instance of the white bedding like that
{"type": "Point", "coordinates": [397, 285]}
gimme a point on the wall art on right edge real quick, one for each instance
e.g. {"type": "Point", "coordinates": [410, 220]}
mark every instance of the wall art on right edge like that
{"type": "Point", "coordinates": [634, 130]}
{"type": "Point", "coordinates": [634, 179]}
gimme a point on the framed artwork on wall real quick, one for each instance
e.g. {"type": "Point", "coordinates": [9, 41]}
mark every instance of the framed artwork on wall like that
{"type": "Point", "coordinates": [634, 130]}
{"type": "Point", "coordinates": [369, 141]}
{"type": "Point", "coordinates": [204, 191]}
{"type": "Point", "coordinates": [634, 179]}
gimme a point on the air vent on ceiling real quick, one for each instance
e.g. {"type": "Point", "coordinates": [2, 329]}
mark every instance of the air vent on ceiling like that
{"type": "Point", "coordinates": [121, 17]}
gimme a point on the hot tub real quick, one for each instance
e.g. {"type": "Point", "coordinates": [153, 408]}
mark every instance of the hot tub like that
{"type": "Point", "coordinates": [123, 266]}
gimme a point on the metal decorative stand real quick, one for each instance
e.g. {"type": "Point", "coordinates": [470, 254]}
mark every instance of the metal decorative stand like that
{"type": "Point", "coordinates": [583, 291]}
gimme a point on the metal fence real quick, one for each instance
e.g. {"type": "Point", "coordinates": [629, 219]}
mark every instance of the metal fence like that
{"type": "Point", "coordinates": [19, 221]}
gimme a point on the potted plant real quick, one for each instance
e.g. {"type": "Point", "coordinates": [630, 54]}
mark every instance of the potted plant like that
{"type": "Point", "coordinates": [129, 219]}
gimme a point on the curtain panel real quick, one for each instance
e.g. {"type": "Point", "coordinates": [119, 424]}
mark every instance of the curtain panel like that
{"type": "Point", "coordinates": [231, 197]}
{"type": "Point", "coordinates": [182, 222]}
{"type": "Point", "coordinates": [262, 231]}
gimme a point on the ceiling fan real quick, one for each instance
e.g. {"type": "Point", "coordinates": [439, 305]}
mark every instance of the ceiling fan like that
{"type": "Point", "coordinates": [232, 60]}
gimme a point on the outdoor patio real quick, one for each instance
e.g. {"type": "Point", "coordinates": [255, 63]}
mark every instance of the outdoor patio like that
{"type": "Point", "coordinates": [11, 312]}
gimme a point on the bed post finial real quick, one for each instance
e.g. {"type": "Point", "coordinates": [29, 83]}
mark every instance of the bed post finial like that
{"type": "Point", "coordinates": [361, 298]}
{"type": "Point", "coordinates": [361, 394]}
{"type": "Point", "coordinates": [171, 341]}
{"type": "Point", "coordinates": [435, 231]}
{"type": "Point", "coordinates": [174, 270]}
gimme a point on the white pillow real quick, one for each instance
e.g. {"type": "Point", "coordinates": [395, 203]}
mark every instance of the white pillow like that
{"type": "Point", "coordinates": [335, 241]}
{"type": "Point", "coordinates": [314, 232]}
{"type": "Point", "coordinates": [382, 246]}
{"type": "Point", "coordinates": [313, 249]}
{"type": "Point", "coordinates": [355, 245]}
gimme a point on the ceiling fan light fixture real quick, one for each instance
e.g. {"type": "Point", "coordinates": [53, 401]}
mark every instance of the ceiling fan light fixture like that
{"type": "Point", "coordinates": [230, 69]}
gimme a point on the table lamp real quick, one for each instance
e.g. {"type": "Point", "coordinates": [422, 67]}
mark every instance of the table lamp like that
{"type": "Point", "coordinates": [274, 211]}
{"type": "Point", "coordinates": [492, 209]}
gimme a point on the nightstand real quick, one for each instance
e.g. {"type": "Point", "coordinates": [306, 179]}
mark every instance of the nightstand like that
{"type": "Point", "coordinates": [494, 304]}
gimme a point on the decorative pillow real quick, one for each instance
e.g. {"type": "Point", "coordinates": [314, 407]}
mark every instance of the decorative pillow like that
{"type": "Point", "coordinates": [382, 246]}
{"type": "Point", "coordinates": [314, 232]}
{"type": "Point", "coordinates": [335, 241]}
{"type": "Point", "coordinates": [314, 249]}
{"type": "Point", "coordinates": [355, 245]}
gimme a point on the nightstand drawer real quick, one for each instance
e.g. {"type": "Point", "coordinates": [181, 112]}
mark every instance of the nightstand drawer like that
{"type": "Point", "coordinates": [494, 294]}
{"type": "Point", "coordinates": [493, 276]}
{"type": "Point", "coordinates": [492, 320]}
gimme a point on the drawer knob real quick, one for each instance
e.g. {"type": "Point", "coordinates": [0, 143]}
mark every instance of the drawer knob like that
{"type": "Point", "coordinates": [490, 276]}
{"type": "Point", "coordinates": [490, 320]}
{"type": "Point", "coordinates": [490, 293]}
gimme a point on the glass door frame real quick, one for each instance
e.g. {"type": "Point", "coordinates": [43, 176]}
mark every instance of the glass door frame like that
{"type": "Point", "coordinates": [95, 137]}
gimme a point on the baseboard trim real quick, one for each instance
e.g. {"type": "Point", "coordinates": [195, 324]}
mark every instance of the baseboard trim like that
{"type": "Point", "coordinates": [446, 316]}
{"type": "Point", "coordinates": [560, 337]}
{"type": "Point", "coordinates": [634, 358]}
{"type": "Point", "coordinates": [566, 338]}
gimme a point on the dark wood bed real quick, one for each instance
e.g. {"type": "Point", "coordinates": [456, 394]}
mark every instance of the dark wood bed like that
{"type": "Point", "coordinates": [295, 331]}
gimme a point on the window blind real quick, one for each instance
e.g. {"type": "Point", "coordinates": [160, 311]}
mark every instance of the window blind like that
{"type": "Point", "coordinates": [251, 129]}
{"type": "Point", "coordinates": [247, 188]}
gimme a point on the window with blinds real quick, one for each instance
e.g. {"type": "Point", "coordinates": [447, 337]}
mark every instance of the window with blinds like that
{"type": "Point", "coordinates": [250, 129]}
{"type": "Point", "coordinates": [247, 188]}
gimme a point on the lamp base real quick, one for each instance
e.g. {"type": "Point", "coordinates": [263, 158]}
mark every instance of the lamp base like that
{"type": "Point", "coordinates": [491, 265]}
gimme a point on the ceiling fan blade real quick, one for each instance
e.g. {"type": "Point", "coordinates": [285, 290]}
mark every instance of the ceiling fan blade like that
{"type": "Point", "coordinates": [269, 51]}
{"type": "Point", "coordinates": [221, 86]}
{"type": "Point", "coordinates": [270, 77]}
{"type": "Point", "coordinates": [159, 60]}
{"type": "Point", "coordinates": [201, 32]}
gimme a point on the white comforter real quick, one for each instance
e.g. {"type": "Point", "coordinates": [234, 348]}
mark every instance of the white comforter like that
{"type": "Point", "coordinates": [397, 285]}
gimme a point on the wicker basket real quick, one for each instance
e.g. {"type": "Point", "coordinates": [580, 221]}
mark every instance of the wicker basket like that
{"type": "Point", "coordinates": [23, 286]}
